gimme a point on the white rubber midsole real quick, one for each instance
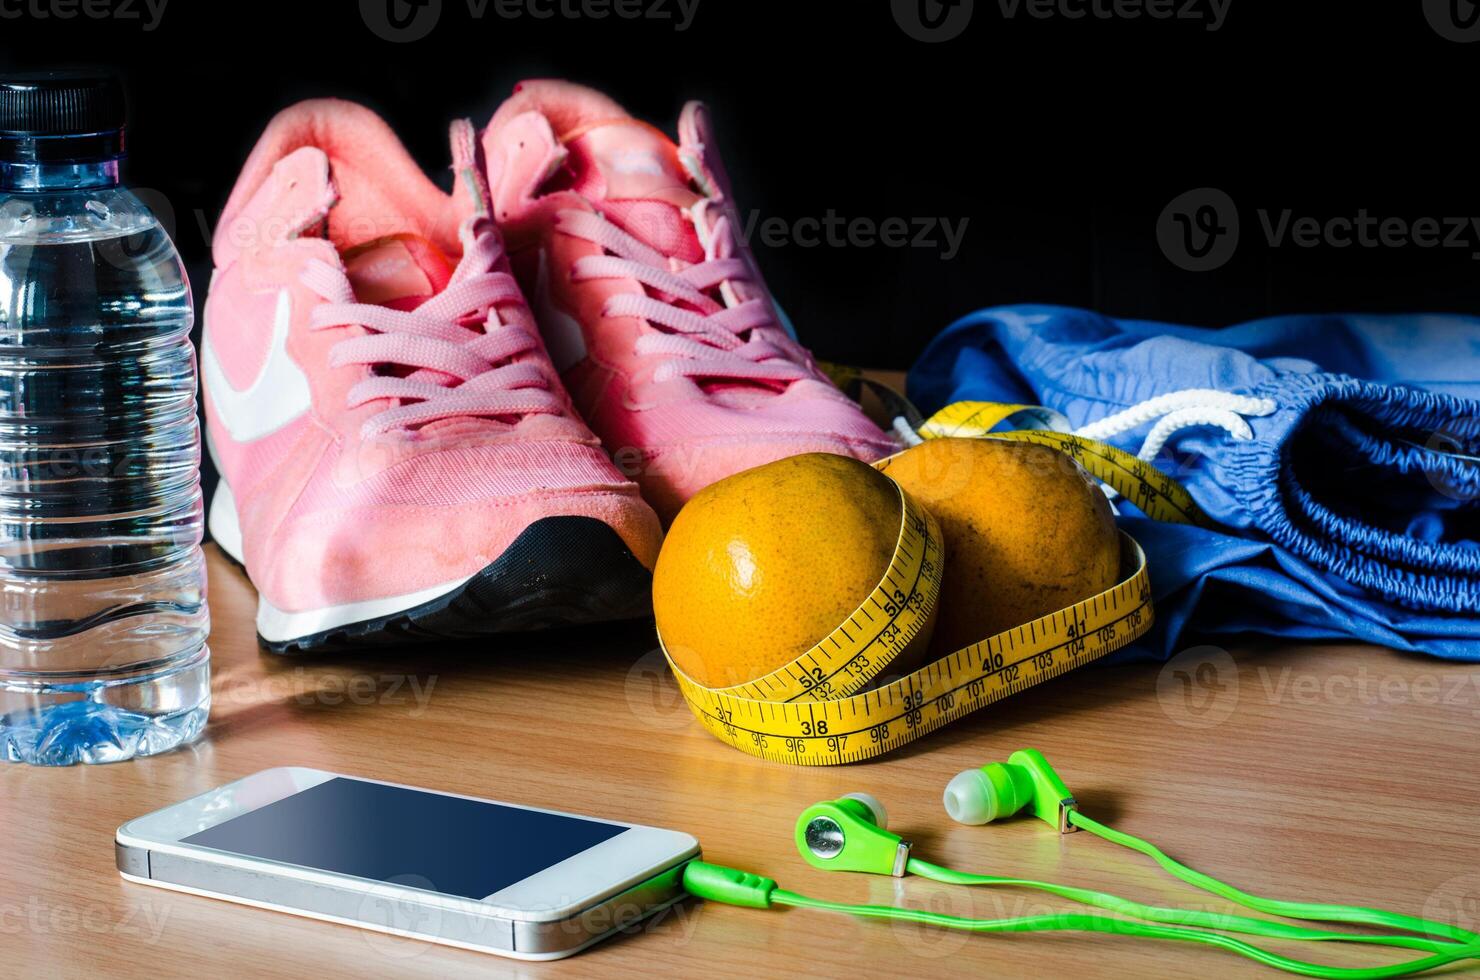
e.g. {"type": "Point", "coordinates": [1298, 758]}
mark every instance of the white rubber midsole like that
{"type": "Point", "coordinates": [225, 528]}
{"type": "Point", "coordinates": [279, 625]}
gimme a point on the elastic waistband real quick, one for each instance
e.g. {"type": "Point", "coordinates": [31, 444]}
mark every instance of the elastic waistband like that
{"type": "Point", "coordinates": [1376, 432]}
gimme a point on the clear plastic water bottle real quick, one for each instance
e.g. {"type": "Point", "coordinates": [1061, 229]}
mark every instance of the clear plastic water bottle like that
{"type": "Point", "coordinates": [103, 616]}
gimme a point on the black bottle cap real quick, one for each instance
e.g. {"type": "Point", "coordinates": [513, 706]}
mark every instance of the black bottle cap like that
{"type": "Point", "coordinates": [60, 116]}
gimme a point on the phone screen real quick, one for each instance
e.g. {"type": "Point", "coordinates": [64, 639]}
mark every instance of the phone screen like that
{"type": "Point", "coordinates": [444, 844]}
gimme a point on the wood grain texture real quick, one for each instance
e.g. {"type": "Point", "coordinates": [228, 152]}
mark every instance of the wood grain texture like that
{"type": "Point", "coordinates": [1300, 772]}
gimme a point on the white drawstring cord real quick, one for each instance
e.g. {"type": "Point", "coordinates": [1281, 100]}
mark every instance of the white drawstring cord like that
{"type": "Point", "coordinates": [1174, 411]}
{"type": "Point", "coordinates": [1179, 410]}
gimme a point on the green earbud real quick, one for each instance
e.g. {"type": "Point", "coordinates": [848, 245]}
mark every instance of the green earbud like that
{"type": "Point", "coordinates": [1000, 789]}
{"type": "Point", "coordinates": [850, 834]}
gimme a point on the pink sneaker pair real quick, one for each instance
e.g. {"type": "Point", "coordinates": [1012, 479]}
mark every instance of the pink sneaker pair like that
{"type": "Point", "coordinates": [403, 443]}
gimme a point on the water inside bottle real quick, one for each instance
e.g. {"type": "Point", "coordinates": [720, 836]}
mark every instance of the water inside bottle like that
{"type": "Point", "coordinates": [103, 618]}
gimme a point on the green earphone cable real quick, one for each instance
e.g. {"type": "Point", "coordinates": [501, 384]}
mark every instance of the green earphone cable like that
{"type": "Point", "coordinates": [1088, 923]}
{"type": "Point", "coordinates": [850, 834]}
{"type": "Point", "coordinates": [1184, 917]}
{"type": "Point", "coordinates": [1311, 911]}
{"type": "Point", "coordinates": [721, 884]}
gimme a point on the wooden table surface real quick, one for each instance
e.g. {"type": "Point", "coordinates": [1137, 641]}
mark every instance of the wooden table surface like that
{"type": "Point", "coordinates": [1342, 773]}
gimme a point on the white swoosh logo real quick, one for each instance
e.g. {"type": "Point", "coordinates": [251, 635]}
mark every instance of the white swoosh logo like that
{"type": "Point", "coordinates": [564, 338]}
{"type": "Point", "coordinates": [277, 396]}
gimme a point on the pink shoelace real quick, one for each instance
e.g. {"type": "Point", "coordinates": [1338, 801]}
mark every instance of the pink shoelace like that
{"type": "Point", "coordinates": [459, 351]}
{"type": "Point", "coordinates": [701, 337]}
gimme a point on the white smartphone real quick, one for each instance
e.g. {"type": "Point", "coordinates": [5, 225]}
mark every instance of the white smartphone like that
{"type": "Point", "coordinates": [496, 877]}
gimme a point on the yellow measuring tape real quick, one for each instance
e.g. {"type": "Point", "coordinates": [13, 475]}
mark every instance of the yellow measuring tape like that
{"type": "Point", "coordinates": [832, 705]}
{"type": "Point", "coordinates": [1157, 495]}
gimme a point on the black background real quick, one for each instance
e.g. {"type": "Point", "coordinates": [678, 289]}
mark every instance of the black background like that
{"type": "Point", "coordinates": [1060, 140]}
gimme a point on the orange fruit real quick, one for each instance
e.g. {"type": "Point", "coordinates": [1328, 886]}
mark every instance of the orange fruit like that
{"type": "Point", "coordinates": [1027, 532]}
{"type": "Point", "coordinates": [759, 567]}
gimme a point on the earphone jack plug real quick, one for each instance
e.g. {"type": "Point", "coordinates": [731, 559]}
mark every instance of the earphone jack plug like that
{"type": "Point", "coordinates": [717, 883]}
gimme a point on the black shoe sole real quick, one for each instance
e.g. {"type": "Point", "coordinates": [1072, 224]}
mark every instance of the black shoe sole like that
{"type": "Point", "coordinates": [561, 571]}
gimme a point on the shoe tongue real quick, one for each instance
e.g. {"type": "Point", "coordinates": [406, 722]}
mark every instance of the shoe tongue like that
{"type": "Point", "coordinates": [398, 271]}
{"type": "Point", "coordinates": [631, 173]}
{"type": "Point", "coordinates": [401, 272]}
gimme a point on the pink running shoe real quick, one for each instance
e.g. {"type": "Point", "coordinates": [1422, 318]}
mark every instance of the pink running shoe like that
{"type": "Point", "coordinates": [651, 306]}
{"type": "Point", "coordinates": [398, 458]}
